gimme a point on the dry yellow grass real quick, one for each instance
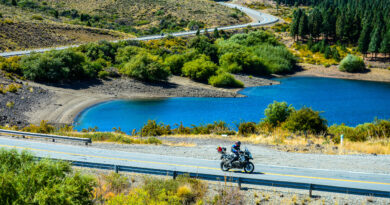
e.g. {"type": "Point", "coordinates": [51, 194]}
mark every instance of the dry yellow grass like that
{"type": "Point", "coordinates": [285, 141]}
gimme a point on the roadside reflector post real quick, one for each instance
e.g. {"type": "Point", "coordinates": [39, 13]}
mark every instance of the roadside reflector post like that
{"type": "Point", "coordinates": [310, 190]}
{"type": "Point", "coordinates": [239, 182]}
{"type": "Point", "coordinates": [341, 142]}
{"type": "Point", "coordinates": [116, 168]}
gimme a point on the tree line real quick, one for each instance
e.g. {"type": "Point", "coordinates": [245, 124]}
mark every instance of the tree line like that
{"type": "Point", "coordinates": [364, 23]}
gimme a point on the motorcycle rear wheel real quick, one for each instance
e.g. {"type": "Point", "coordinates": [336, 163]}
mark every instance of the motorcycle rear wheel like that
{"type": "Point", "coordinates": [224, 167]}
{"type": "Point", "coordinates": [249, 167]}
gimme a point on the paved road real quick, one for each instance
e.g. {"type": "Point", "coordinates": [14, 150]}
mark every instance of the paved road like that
{"type": "Point", "coordinates": [259, 19]}
{"type": "Point", "coordinates": [90, 154]}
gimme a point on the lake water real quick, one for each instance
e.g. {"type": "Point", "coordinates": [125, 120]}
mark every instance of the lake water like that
{"type": "Point", "coordinates": [342, 101]}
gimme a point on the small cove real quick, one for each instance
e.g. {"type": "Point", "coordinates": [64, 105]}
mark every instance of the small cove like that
{"type": "Point", "coordinates": [342, 101]}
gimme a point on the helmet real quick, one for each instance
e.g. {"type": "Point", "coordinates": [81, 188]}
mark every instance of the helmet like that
{"type": "Point", "coordinates": [238, 143]}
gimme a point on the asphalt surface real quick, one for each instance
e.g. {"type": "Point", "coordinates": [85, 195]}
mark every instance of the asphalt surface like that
{"type": "Point", "coordinates": [259, 19]}
{"type": "Point", "coordinates": [380, 182]}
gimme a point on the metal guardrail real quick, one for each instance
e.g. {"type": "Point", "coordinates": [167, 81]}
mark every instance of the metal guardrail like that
{"type": "Point", "coordinates": [234, 179]}
{"type": "Point", "coordinates": [53, 137]}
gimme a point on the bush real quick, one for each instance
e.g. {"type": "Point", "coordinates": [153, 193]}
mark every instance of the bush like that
{"type": "Point", "coordinates": [11, 65]}
{"type": "Point", "coordinates": [43, 127]}
{"type": "Point", "coordinates": [242, 61]}
{"type": "Point", "coordinates": [204, 46]}
{"type": "Point", "coordinates": [200, 69]}
{"type": "Point", "coordinates": [13, 88]}
{"type": "Point", "coordinates": [247, 128]}
{"type": "Point", "coordinates": [277, 112]}
{"type": "Point", "coordinates": [183, 190]}
{"type": "Point", "coordinates": [151, 128]}
{"type": "Point", "coordinates": [54, 66]}
{"type": "Point", "coordinates": [254, 38]}
{"type": "Point", "coordinates": [225, 80]}
{"type": "Point", "coordinates": [175, 63]}
{"type": "Point", "coordinates": [27, 181]}
{"type": "Point", "coordinates": [218, 127]}
{"type": "Point", "coordinates": [352, 64]}
{"type": "Point", "coordinates": [277, 59]}
{"type": "Point", "coordinates": [305, 120]}
{"type": "Point", "coordinates": [377, 129]}
{"type": "Point", "coordinates": [104, 50]}
{"type": "Point", "coordinates": [125, 54]}
{"type": "Point", "coordinates": [146, 67]}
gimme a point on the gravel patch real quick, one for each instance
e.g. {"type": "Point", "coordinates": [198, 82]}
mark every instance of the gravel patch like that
{"type": "Point", "coordinates": [26, 99]}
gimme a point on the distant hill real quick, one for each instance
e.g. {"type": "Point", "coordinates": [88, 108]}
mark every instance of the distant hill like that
{"type": "Point", "coordinates": [46, 23]}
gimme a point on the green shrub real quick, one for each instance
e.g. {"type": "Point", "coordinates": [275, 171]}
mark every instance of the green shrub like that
{"type": "Point", "coordinates": [218, 127]}
{"type": "Point", "coordinates": [200, 69]}
{"type": "Point", "coordinates": [305, 120]}
{"type": "Point", "coordinates": [146, 67]}
{"type": "Point", "coordinates": [54, 66]}
{"type": "Point", "coordinates": [175, 63]}
{"type": "Point", "coordinates": [204, 45]}
{"type": "Point", "coordinates": [277, 112]}
{"type": "Point", "coordinates": [352, 64]}
{"type": "Point", "coordinates": [13, 88]}
{"type": "Point", "coordinates": [254, 38]}
{"type": "Point", "coordinates": [125, 54]}
{"type": "Point", "coordinates": [116, 182]}
{"type": "Point", "coordinates": [377, 129]}
{"type": "Point", "coordinates": [103, 74]}
{"type": "Point", "coordinates": [25, 180]}
{"type": "Point", "coordinates": [151, 128]}
{"type": "Point", "coordinates": [225, 80]}
{"type": "Point", "coordinates": [103, 49]}
{"type": "Point", "coordinates": [247, 128]}
{"type": "Point", "coordinates": [277, 59]}
{"type": "Point", "coordinates": [242, 61]}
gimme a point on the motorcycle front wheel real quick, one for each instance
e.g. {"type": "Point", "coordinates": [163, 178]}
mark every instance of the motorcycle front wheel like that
{"type": "Point", "coordinates": [224, 166]}
{"type": "Point", "coordinates": [249, 167]}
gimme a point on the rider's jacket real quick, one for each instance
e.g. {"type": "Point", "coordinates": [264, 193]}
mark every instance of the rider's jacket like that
{"type": "Point", "coordinates": [235, 149]}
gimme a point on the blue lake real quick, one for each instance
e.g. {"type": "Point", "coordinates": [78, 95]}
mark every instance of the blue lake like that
{"type": "Point", "coordinates": [342, 101]}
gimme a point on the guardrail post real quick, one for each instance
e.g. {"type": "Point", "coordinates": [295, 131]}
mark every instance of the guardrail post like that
{"type": "Point", "coordinates": [116, 168]}
{"type": "Point", "coordinates": [310, 190]}
{"type": "Point", "coordinates": [174, 175]}
{"type": "Point", "coordinates": [239, 183]}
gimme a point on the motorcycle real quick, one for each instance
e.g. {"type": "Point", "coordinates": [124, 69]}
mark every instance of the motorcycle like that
{"type": "Point", "coordinates": [242, 162]}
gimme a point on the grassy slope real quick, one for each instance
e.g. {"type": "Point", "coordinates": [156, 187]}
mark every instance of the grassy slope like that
{"type": "Point", "coordinates": [134, 11]}
{"type": "Point", "coordinates": [19, 31]}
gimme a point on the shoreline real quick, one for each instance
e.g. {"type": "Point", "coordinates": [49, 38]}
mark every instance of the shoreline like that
{"type": "Point", "coordinates": [68, 104]}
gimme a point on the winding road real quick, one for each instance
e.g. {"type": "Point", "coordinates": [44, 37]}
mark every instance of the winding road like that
{"type": "Point", "coordinates": [259, 19]}
{"type": "Point", "coordinates": [371, 181]}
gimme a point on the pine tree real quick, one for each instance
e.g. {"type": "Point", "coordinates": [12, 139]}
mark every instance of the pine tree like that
{"type": "Point", "coordinates": [295, 23]}
{"type": "Point", "coordinates": [375, 41]}
{"type": "Point", "coordinates": [303, 28]}
{"type": "Point", "coordinates": [315, 23]}
{"type": "Point", "coordinates": [341, 32]}
{"type": "Point", "coordinates": [364, 39]}
{"type": "Point", "coordinates": [385, 45]}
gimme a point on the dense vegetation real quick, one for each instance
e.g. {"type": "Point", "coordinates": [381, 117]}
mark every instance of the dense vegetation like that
{"type": "Point", "coordinates": [207, 59]}
{"type": "Point", "coordinates": [364, 23]}
{"type": "Point", "coordinates": [24, 180]}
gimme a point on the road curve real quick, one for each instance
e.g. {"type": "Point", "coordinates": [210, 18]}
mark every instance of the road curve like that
{"type": "Point", "coordinates": [371, 181]}
{"type": "Point", "coordinates": [259, 19]}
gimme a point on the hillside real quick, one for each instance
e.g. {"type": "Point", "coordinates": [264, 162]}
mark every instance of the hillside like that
{"type": "Point", "coordinates": [33, 24]}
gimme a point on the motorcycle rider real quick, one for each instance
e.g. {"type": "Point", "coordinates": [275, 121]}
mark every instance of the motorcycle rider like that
{"type": "Point", "coordinates": [236, 151]}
